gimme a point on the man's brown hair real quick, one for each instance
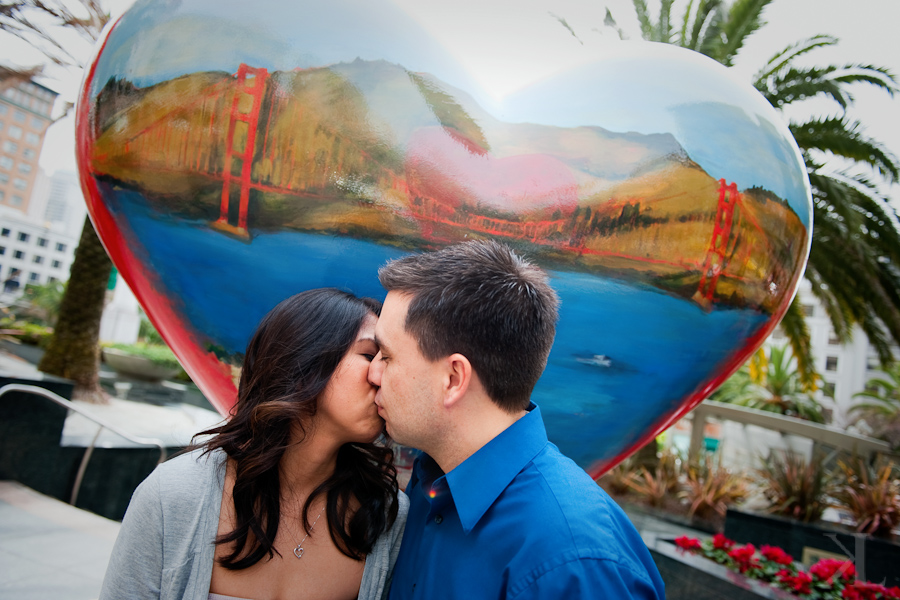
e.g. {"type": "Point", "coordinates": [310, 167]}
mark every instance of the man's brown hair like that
{"type": "Point", "coordinates": [483, 301]}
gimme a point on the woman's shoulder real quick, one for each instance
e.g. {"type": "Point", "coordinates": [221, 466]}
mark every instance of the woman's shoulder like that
{"type": "Point", "coordinates": [185, 477]}
{"type": "Point", "coordinates": [402, 504]}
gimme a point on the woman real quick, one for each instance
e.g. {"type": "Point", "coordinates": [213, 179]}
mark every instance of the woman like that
{"type": "Point", "coordinates": [291, 498]}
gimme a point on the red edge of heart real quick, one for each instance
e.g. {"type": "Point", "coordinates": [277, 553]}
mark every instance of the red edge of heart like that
{"type": "Point", "coordinates": [210, 375]}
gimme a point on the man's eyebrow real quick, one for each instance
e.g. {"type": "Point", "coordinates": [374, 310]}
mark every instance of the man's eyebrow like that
{"type": "Point", "coordinates": [379, 342]}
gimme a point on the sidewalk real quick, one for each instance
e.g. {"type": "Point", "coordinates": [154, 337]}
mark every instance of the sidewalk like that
{"type": "Point", "coordinates": [48, 549]}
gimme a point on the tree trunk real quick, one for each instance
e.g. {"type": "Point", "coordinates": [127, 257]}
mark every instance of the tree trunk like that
{"type": "Point", "coordinates": [74, 349]}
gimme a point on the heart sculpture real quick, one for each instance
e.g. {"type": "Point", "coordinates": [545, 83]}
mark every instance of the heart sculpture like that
{"type": "Point", "coordinates": [232, 157]}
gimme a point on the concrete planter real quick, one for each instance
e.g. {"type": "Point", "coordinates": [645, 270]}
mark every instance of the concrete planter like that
{"type": "Point", "coordinates": [137, 367]}
{"type": "Point", "coordinates": [691, 577]}
{"type": "Point", "coordinates": [875, 559]}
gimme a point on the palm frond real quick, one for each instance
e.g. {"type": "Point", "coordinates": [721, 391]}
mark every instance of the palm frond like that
{"type": "Point", "coordinates": [743, 19]}
{"type": "Point", "coordinates": [703, 19]}
{"type": "Point", "coordinates": [842, 137]}
{"type": "Point", "coordinates": [643, 15]}
{"type": "Point", "coordinates": [796, 330]}
{"type": "Point", "coordinates": [791, 52]}
{"type": "Point", "coordinates": [664, 24]}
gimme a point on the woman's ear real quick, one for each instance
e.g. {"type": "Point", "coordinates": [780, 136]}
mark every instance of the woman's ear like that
{"type": "Point", "coordinates": [457, 379]}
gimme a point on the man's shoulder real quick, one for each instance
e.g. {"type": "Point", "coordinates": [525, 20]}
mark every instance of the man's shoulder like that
{"type": "Point", "coordinates": [570, 520]}
{"type": "Point", "coordinates": [570, 508]}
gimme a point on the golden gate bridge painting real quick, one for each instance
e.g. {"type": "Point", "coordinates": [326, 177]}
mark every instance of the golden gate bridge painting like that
{"type": "Point", "coordinates": [298, 141]}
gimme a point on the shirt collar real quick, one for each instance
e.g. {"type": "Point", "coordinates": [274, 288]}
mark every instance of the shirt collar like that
{"type": "Point", "coordinates": [480, 479]}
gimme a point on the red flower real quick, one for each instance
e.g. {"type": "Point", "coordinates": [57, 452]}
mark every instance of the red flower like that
{"type": "Point", "coordinates": [686, 543]}
{"type": "Point", "coordinates": [776, 555]}
{"type": "Point", "coordinates": [892, 593]}
{"type": "Point", "coordinates": [863, 590]}
{"type": "Point", "coordinates": [720, 542]}
{"type": "Point", "coordinates": [743, 556]}
{"type": "Point", "coordinates": [827, 568]}
{"type": "Point", "coordinates": [799, 583]}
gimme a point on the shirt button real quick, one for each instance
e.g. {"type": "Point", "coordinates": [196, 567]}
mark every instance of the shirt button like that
{"type": "Point", "coordinates": [439, 519]}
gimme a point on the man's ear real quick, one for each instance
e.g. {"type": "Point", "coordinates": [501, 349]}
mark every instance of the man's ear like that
{"type": "Point", "coordinates": [457, 379]}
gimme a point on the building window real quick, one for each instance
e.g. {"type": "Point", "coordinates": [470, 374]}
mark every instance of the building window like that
{"type": "Point", "coordinates": [31, 138]}
{"type": "Point", "coordinates": [2, 250]}
{"type": "Point", "coordinates": [831, 363]}
{"type": "Point", "coordinates": [15, 132]}
{"type": "Point", "coordinates": [809, 310]}
{"type": "Point", "coordinates": [56, 264]}
{"type": "Point", "coordinates": [33, 277]}
{"type": "Point", "coordinates": [24, 167]}
{"type": "Point", "coordinates": [18, 254]}
{"type": "Point", "coordinates": [6, 162]}
{"type": "Point", "coordinates": [828, 389]}
{"type": "Point", "coordinates": [28, 153]}
{"type": "Point", "coordinates": [4, 178]}
{"type": "Point", "coordinates": [42, 242]}
{"type": "Point", "coordinates": [17, 200]}
{"type": "Point", "coordinates": [52, 279]}
{"type": "Point", "coordinates": [10, 147]}
{"type": "Point", "coordinates": [38, 260]}
{"type": "Point", "coordinates": [872, 363]}
{"type": "Point", "coordinates": [37, 122]}
{"type": "Point", "coordinates": [833, 339]}
{"type": "Point", "coordinates": [5, 232]}
{"type": "Point", "coordinates": [20, 184]}
{"type": "Point", "coordinates": [60, 247]}
{"type": "Point", "coordinates": [19, 116]}
{"type": "Point", "coordinates": [24, 237]}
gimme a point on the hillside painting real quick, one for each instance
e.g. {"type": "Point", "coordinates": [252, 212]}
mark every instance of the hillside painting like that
{"type": "Point", "coordinates": [303, 150]}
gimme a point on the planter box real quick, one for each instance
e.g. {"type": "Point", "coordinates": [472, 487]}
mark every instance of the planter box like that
{"type": "Point", "coordinates": [137, 366]}
{"type": "Point", "coordinates": [875, 559]}
{"type": "Point", "coordinates": [691, 577]}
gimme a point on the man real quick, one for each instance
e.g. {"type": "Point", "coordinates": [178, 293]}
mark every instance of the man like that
{"type": "Point", "coordinates": [496, 511]}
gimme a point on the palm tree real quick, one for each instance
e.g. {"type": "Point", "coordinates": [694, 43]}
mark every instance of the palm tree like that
{"type": "Point", "coordinates": [771, 383]}
{"type": "Point", "coordinates": [74, 351]}
{"type": "Point", "coordinates": [882, 413]}
{"type": "Point", "coordinates": [855, 254]}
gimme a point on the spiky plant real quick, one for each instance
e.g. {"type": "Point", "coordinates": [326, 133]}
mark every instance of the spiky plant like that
{"type": "Point", "coordinates": [871, 495]}
{"type": "Point", "coordinates": [796, 488]}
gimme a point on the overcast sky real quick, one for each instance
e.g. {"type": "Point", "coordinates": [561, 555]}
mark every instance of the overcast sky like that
{"type": "Point", "coordinates": [867, 34]}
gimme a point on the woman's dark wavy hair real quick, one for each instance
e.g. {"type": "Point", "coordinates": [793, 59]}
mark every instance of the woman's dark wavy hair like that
{"type": "Point", "coordinates": [289, 361]}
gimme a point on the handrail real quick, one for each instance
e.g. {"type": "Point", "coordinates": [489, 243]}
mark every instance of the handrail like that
{"type": "Point", "coordinates": [68, 404]}
{"type": "Point", "coordinates": [825, 434]}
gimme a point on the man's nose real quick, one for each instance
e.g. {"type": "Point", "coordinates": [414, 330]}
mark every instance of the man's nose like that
{"type": "Point", "coordinates": [376, 367]}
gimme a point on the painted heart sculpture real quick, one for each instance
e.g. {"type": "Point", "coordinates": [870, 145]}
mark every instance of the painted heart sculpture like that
{"type": "Point", "coordinates": [232, 156]}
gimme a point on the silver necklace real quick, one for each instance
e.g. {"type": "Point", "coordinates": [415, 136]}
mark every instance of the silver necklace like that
{"type": "Point", "coordinates": [298, 551]}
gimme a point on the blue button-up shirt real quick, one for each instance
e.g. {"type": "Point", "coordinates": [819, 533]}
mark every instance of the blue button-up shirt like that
{"type": "Point", "coordinates": [518, 519]}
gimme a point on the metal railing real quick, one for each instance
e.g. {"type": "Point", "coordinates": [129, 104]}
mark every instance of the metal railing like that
{"type": "Point", "coordinates": [820, 434]}
{"type": "Point", "coordinates": [89, 450]}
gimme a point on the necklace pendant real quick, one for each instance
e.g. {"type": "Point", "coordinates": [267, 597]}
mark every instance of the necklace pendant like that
{"type": "Point", "coordinates": [298, 551]}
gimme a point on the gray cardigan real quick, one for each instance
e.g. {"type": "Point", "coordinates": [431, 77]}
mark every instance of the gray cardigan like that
{"type": "Point", "coordinates": [165, 547]}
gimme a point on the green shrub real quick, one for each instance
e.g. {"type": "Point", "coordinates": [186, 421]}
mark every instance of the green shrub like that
{"type": "Point", "coordinates": [27, 333]}
{"type": "Point", "coordinates": [156, 353]}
